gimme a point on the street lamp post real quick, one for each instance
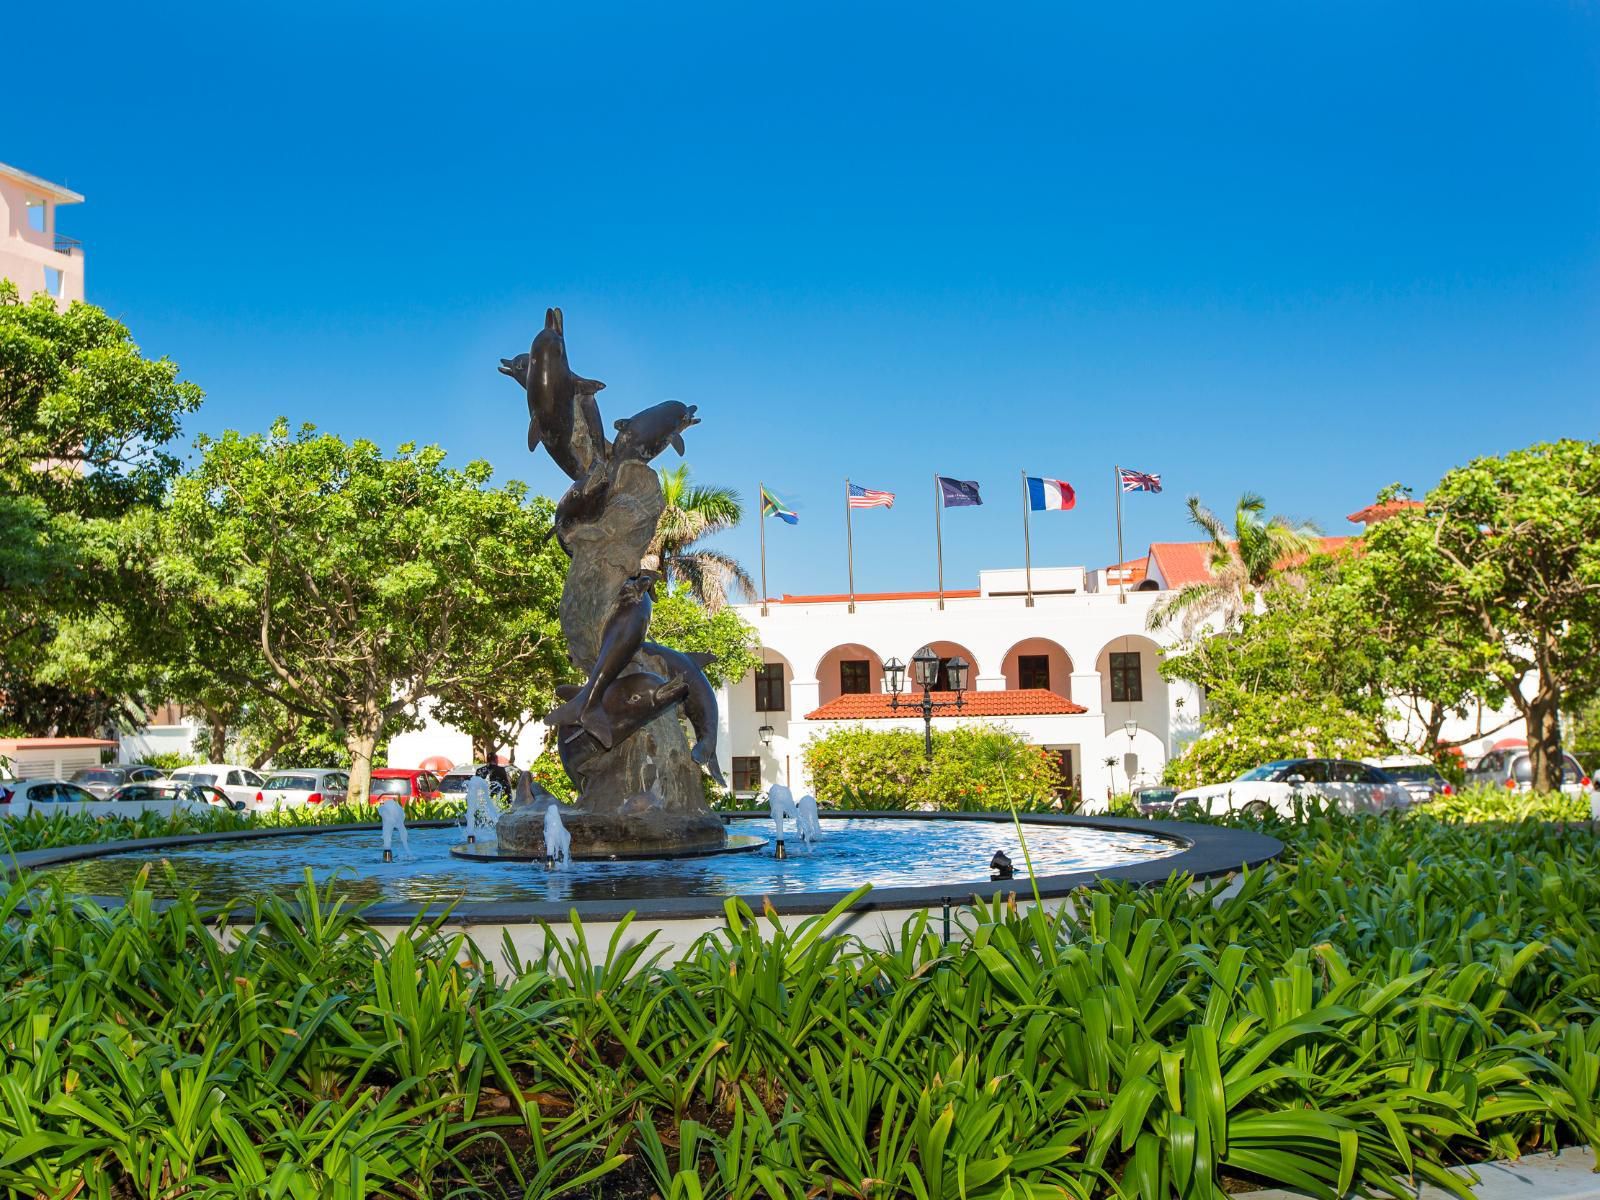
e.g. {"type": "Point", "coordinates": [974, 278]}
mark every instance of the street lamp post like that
{"type": "Point", "coordinates": [924, 674]}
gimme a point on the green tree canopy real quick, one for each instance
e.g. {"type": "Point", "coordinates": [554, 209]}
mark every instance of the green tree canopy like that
{"type": "Point", "coordinates": [1500, 571]}
{"type": "Point", "coordinates": [368, 582]}
{"type": "Point", "coordinates": [85, 420]}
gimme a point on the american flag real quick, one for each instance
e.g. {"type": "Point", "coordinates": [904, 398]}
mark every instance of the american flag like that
{"type": "Point", "coordinates": [1139, 481]}
{"type": "Point", "coordinates": [861, 497]}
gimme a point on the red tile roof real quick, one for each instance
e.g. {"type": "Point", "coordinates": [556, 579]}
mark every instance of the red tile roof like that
{"type": "Point", "coordinates": [1137, 569]}
{"type": "Point", "coordinates": [1020, 702]}
{"type": "Point", "coordinates": [1373, 513]}
{"type": "Point", "coordinates": [863, 597]}
{"type": "Point", "coordinates": [16, 745]}
{"type": "Point", "coordinates": [1183, 563]}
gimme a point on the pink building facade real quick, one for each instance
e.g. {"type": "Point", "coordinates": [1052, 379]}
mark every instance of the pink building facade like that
{"type": "Point", "coordinates": [33, 255]}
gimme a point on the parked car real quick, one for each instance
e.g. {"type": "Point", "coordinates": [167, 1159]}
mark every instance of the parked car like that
{"type": "Point", "coordinates": [240, 783]}
{"type": "Point", "coordinates": [190, 795]}
{"type": "Point", "coordinates": [1512, 768]}
{"type": "Point", "coordinates": [454, 784]}
{"type": "Point", "coordinates": [403, 784]}
{"type": "Point", "coordinates": [102, 781]}
{"type": "Point", "coordinates": [1418, 775]}
{"type": "Point", "coordinates": [1276, 786]}
{"type": "Point", "coordinates": [18, 797]}
{"type": "Point", "coordinates": [1155, 801]}
{"type": "Point", "coordinates": [308, 785]}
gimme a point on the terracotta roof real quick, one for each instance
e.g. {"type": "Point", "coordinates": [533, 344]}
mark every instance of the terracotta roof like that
{"type": "Point", "coordinates": [1021, 702]}
{"type": "Point", "coordinates": [13, 745]}
{"type": "Point", "coordinates": [1373, 513]}
{"type": "Point", "coordinates": [1183, 563]}
{"type": "Point", "coordinates": [863, 597]}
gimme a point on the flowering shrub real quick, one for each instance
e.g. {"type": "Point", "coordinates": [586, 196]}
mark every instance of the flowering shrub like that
{"type": "Point", "coordinates": [1261, 729]}
{"type": "Point", "coordinates": [974, 767]}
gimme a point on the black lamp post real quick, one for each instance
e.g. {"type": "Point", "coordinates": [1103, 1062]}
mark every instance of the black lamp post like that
{"type": "Point", "coordinates": [924, 674]}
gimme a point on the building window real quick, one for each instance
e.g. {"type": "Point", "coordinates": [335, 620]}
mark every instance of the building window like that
{"type": "Point", "coordinates": [1126, 683]}
{"type": "Point", "coordinates": [769, 687]}
{"type": "Point", "coordinates": [855, 677]}
{"type": "Point", "coordinates": [746, 774]}
{"type": "Point", "coordinates": [37, 216]}
{"type": "Point", "coordinates": [52, 281]}
{"type": "Point", "coordinates": [1033, 671]}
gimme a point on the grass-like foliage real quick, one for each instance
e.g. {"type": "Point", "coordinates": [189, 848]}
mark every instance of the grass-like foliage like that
{"type": "Point", "coordinates": [1398, 997]}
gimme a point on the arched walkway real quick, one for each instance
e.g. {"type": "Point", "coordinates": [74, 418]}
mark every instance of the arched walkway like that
{"type": "Point", "coordinates": [1137, 708]}
{"type": "Point", "coordinates": [848, 669]}
{"type": "Point", "coordinates": [946, 651]}
{"type": "Point", "coordinates": [1038, 662]}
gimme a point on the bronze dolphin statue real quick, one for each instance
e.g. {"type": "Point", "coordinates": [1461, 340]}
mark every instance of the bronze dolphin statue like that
{"type": "Point", "coordinates": [699, 704]}
{"type": "Point", "coordinates": [630, 703]}
{"type": "Point", "coordinates": [619, 642]}
{"type": "Point", "coordinates": [562, 413]}
{"type": "Point", "coordinates": [646, 434]}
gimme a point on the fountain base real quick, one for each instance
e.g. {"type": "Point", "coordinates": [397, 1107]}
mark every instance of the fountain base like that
{"type": "Point", "coordinates": [486, 851]}
{"type": "Point", "coordinates": [653, 833]}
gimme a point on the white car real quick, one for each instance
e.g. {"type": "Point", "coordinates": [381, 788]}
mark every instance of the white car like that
{"type": "Point", "coordinates": [1276, 786]}
{"type": "Point", "coordinates": [239, 783]}
{"type": "Point", "coordinates": [18, 798]}
{"type": "Point", "coordinates": [102, 781]}
{"type": "Point", "coordinates": [308, 785]}
{"type": "Point", "coordinates": [1418, 775]}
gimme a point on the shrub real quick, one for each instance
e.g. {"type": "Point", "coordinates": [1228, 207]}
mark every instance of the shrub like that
{"type": "Point", "coordinates": [169, 761]}
{"type": "Point", "coordinates": [974, 767]}
{"type": "Point", "coordinates": [1264, 728]}
{"type": "Point", "coordinates": [1504, 804]}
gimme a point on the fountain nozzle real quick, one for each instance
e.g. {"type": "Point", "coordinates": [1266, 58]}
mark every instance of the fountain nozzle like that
{"type": "Point", "coordinates": [549, 862]}
{"type": "Point", "coordinates": [472, 839]}
{"type": "Point", "coordinates": [1000, 866]}
{"type": "Point", "coordinates": [778, 851]}
{"type": "Point", "coordinates": [388, 855]}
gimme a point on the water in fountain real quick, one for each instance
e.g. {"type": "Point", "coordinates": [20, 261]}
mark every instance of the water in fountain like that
{"type": "Point", "coordinates": [557, 841]}
{"type": "Point", "coordinates": [806, 821]}
{"type": "Point", "coordinates": [482, 812]}
{"type": "Point", "coordinates": [394, 822]}
{"type": "Point", "coordinates": [780, 803]}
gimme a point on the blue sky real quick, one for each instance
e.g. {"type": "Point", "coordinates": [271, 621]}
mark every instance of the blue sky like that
{"type": "Point", "coordinates": [1303, 249]}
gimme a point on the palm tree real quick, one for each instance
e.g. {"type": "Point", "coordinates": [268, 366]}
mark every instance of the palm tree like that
{"type": "Point", "coordinates": [1256, 556]}
{"type": "Point", "coordinates": [693, 513]}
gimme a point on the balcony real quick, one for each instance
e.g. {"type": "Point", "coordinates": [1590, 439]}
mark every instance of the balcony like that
{"type": "Point", "coordinates": [68, 245]}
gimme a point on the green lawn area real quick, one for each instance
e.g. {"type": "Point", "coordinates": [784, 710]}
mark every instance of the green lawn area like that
{"type": "Point", "coordinates": [1398, 996]}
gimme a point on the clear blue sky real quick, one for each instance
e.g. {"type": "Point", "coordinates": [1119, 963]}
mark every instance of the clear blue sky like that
{"type": "Point", "coordinates": [1303, 249]}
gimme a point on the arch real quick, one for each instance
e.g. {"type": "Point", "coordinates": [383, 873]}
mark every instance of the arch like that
{"type": "Point", "coordinates": [1147, 585]}
{"type": "Point", "coordinates": [1141, 695]}
{"type": "Point", "coordinates": [1058, 663]}
{"type": "Point", "coordinates": [946, 649]}
{"type": "Point", "coordinates": [831, 670]}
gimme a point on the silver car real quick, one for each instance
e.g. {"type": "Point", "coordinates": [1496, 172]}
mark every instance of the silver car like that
{"type": "Point", "coordinates": [102, 781]}
{"type": "Point", "coordinates": [1512, 769]}
{"type": "Point", "coordinates": [303, 785]}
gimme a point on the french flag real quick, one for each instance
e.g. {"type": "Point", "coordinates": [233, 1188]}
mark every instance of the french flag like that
{"type": "Point", "coordinates": [1045, 495]}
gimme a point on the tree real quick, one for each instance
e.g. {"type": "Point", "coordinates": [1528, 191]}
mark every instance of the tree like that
{"type": "Point", "coordinates": [1246, 564]}
{"type": "Point", "coordinates": [681, 622]}
{"type": "Point", "coordinates": [693, 513]}
{"type": "Point", "coordinates": [1500, 568]}
{"type": "Point", "coordinates": [367, 582]}
{"type": "Point", "coordinates": [84, 419]}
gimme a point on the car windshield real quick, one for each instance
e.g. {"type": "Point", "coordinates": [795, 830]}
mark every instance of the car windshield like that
{"type": "Point", "coordinates": [1158, 795]}
{"type": "Point", "coordinates": [1264, 771]}
{"type": "Point", "coordinates": [291, 783]}
{"type": "Point", "coordinates": [390, 787]}
{"type": "Point", "coordinates": [205, 777]}
{"type": "Point", "coordinates": [97, 775]}
{"type": "Point", "coordinates": [454, 783]}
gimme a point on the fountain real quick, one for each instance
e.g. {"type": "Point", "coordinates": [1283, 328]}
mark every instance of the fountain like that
{"type": "Point", "coordinates": [557, 841]}
{"type": "Point", "coordinates": [482, 812]}
{"type": "Point", "coordinates": [393, 818]}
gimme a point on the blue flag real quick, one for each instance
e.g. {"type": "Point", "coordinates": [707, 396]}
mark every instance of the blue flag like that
{"type": "Point", "coordinates": [959, 492]}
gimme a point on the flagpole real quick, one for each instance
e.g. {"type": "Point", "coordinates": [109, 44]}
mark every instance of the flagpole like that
{"type": "Point", "coordinates": [1027, 549]}
{"type": "Point", "coordinates": [1122, 574]}
{"type": "Point", "coordinates": [938, 534]}
{"type": "Point", "coordinates": [761, 493]}
{"type": "Point", "coordinates": [850, 543]}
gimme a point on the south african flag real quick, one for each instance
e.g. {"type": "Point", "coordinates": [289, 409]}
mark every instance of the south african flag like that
{"type": "Point", "coordinates": [771, 506]}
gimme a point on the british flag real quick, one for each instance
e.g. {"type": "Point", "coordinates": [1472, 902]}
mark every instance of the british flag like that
{"type": "Point", "coordinates": [1139, 481]}
{"type": "Point", "coordinates": [862, 497]}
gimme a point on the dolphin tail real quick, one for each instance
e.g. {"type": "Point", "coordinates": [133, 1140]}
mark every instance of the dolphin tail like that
{"type": "Point", "coordinates": [707, 758]}
{"type": "Point", "coordinates": [595, 722]}
{"type": "Point", "coordinates": [700, 658]}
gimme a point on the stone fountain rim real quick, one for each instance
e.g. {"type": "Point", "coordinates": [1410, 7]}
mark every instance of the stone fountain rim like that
{"type": "Point", "coordinates": [1206, 851]}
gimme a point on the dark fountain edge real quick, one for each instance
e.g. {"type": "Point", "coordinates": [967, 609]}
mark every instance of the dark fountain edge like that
{"type": "Point", "coordinates": [1208, 851]}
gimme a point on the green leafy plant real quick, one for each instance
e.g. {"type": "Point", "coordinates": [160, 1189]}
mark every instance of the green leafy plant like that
{"type": "Point", "coordinates": [860, 767]}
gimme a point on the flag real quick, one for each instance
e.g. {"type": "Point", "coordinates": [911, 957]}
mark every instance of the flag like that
{"type": "Point", "coordinates": [771, 506]}
{"type": "Point", "coordinates": [1050, 494]}
{"type": "Point", "coordinates": [1139, 481]}
{"type": "Point", "coordinates": [862, 497]}
{"type": "Point", "coordinates": [959, 492]}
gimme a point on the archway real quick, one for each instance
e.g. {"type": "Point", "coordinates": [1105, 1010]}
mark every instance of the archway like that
{"type": "Point", "coordinates": [1038, 662]}
{"type": "Point", "coordinates": [1137, 705]}
{"type": "Point", "coordinates": [848, 669]}
{"type": "Point", "coordinates": [946, 651]}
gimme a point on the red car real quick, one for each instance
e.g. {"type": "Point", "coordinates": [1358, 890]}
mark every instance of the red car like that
{"type": "Point", "coordinates": [403, 784]}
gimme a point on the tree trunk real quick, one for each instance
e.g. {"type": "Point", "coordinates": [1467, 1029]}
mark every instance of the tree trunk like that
{"type": "Point", "coordinates": [361, 743]}
{"type": "Point", "coordinates": [1544, 737]}
{"type": "Point", "coordinates": [216, 735]}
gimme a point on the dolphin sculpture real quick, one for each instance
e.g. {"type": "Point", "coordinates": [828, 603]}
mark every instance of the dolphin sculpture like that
{"type": "Point", "coordinates": [619, 642]}
{"type": "Point", "coordinates": [646, 434]}
{"type": "Point", "coordinates": [562, 413]}
{"type": "Point", "coordinates": [630, 703]}
{"type": "Point", "coordinates": [699, 704]}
